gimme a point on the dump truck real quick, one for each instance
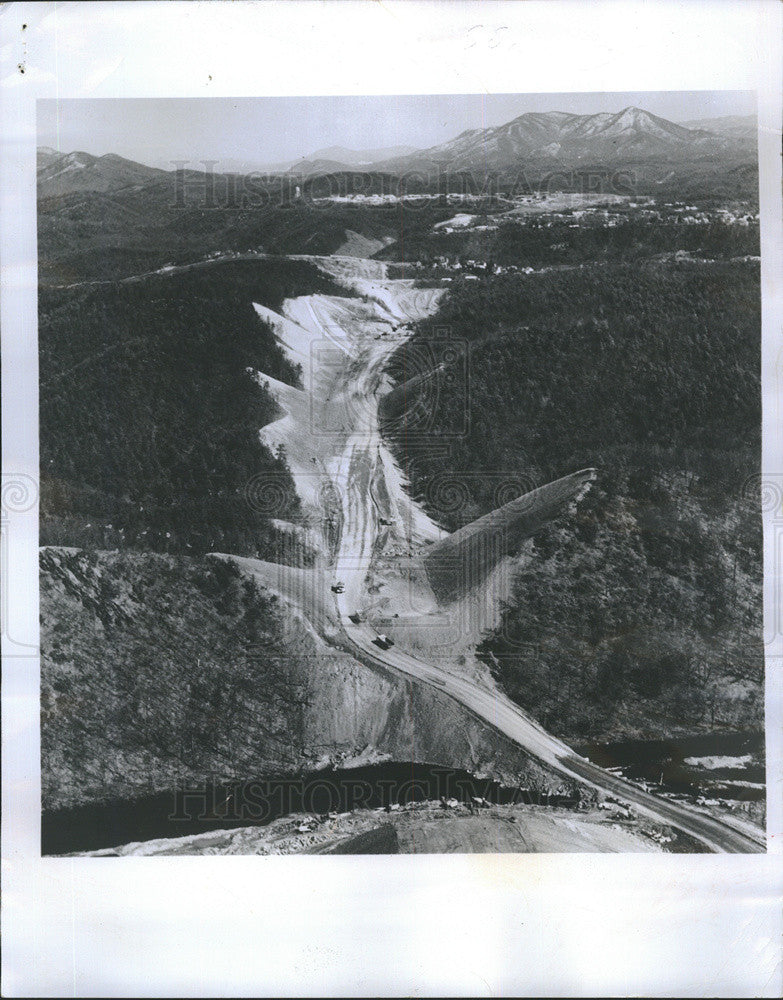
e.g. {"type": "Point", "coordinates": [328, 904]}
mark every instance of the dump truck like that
{"type": "Point", "coordinates": [338, 588]}
{"type": "Point", "coordinates": [383, 641]}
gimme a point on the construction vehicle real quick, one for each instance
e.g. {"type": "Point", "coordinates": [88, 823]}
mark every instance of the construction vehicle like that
{"type": "Point", "coordinates": [383, 641]}
{"type": "Point", "coordinates": [356, 618]}
{"type": "Point", "coordinates": [338, 588]}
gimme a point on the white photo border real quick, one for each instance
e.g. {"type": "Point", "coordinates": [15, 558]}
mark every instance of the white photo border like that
{"type": "Point", "coordinates": [467, 925]}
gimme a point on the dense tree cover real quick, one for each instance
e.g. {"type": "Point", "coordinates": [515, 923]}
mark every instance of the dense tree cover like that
{"type": "Point", "coordinates": [540, 241]}
{"type": "Point", "coordinates": [561, 243]}
{"type": "Point", "coordinates": [158, 666]}
{"type": "Point", "coordinates": [640, 616]}
{"type": "Point", "coordinates": [111, 235]}
{"type": "Point", "coordinates": [171, 219]}
{"type": "Point", "coordinates": [645, 366]}
{"type": "Point", "coordinates": [643, 614]}
{"type": "Point", "coordinates": [149, 420]}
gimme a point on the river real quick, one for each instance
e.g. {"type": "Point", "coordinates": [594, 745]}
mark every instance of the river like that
{"type": "Point", "coordinates": [219, 805]}
{"type": "Point", "coordinates": [726, 766]}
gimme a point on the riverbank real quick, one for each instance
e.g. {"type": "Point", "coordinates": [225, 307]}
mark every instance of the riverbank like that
{"type": "Point", "coordinates": [440, 827]}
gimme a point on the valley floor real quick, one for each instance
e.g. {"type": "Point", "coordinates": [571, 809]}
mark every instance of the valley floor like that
{"type": "Point", "coordinates": [372, 586]}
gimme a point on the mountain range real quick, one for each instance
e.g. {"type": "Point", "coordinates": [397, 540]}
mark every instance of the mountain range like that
{"type": "Point", "coordinates": [357, 157]}
{"type": "Point", "coordinates": [63, 173]}
{"type": "Point", "coordinates": [552, 139]}
{"type": "Point", "coordinates": [339, 156]}
{"type": "Point", "coordinates": [742, 127]}
{"type": "Point", "coordinates": [569, 139]}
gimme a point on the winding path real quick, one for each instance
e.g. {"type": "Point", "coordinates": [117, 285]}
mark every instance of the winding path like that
{"type": "Point", "coordinates": [359, 465]}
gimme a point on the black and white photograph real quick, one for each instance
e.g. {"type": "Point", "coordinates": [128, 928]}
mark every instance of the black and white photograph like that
{"type": "Point", "coordinates": [392, 498]}
{"type": "Point", "coordinates": [401, 496]}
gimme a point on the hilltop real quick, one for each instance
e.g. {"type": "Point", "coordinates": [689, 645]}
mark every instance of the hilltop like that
{"type": "Point", "coordinates": [569, 139]}
{"type": "Point", "coordinates": [551, 138]}
{"type": "Point", "coordinates": [63, 173]}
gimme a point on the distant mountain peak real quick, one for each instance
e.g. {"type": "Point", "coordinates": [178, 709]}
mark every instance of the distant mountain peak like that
{"type": "Point", "coordinates": [64, 173]}
{"type": "Point", "coordinates": [570, 139]}
{"type": "Point", "coordinates": [341, 155]}
{"type": "Point", "coordinates": [547, 138]}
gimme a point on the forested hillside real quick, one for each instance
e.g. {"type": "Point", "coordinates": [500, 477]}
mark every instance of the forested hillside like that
{"type": "Point", "coordinates": [546, 242]}
{"type": "Point", "coordinates": [111, 235]}
{"type": "Point", "coordinates": [643, 614]}
{"type": "Point", "coordinates": [154, 665]}
{"type": "Point", "coordinates": [149, 420]}
{"type": "Point", "coordinates": [160, 671]}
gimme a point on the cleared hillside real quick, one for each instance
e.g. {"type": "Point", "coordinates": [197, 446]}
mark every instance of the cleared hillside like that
{"type": "Point", "coordinates": [158, 669]}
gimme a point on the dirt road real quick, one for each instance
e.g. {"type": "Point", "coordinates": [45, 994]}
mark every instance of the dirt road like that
{"type": "Point", "coordinates": [507, 717]}
{"type": "Point", "coordinates": [359, 462]}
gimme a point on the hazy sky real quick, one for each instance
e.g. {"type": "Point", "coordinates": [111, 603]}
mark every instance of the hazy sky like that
{"type": "Point", "coordinates": [271, 129]}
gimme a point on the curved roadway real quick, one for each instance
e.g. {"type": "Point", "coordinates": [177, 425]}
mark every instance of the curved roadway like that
{"type": "Point", "coordinates": [360, 463]}
{"type": "Point", "coordinates": [510, 720]}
